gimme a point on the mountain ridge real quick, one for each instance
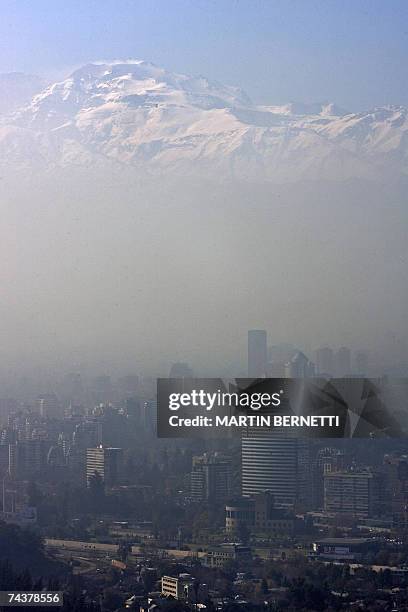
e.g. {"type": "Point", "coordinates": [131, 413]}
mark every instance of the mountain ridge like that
{"type": "Point", "coordinates": [136, 114]}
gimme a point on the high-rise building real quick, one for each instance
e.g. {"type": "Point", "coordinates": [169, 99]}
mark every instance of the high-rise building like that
{"type": "Point", "coordinates": [276, 462]}
{"type": "Point", "coordinates": [257, 353]}
{"type": "Point", "coordinates": [324, 361]}
{"type": "Point", "coordinates": [106, 462]}
{"type": "Point", "coordinates": [133, 409]}
{"type": "Point", "coordinates": [327, 461]}
{"type": "Point", "coordinates": [27, 458]}
{"type": "Point", "coordinates": [14, 502]}
{"type": "Point", "coordinates": [4, 460]}
{"type": "Point", "coordinates": [343, 362]}
{"type": "Point", "coordinates": [211, 478]}
{"type": "Point", "coordinates": [299, 367]}
{"type": "Point", "coordinates": [354, 492]}
{"type": "Point", "coordinates": [48, 405]}
{"type": "Point", "coordinates": [88, 434]}
{"type": "Point", "coordinates": [149, 416]}
{"type": "Point", "coordinates": [281, 353]}
{"type": "Point", "coordinates": [396, 487]}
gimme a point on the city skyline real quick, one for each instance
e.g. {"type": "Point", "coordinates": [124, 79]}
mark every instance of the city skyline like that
{"type": "Point", "coordinates": [203, 321]}
{"type": "Point", "coordinates": [106, 176]}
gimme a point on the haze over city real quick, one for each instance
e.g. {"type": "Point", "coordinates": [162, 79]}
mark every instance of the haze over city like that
{"type": "Point", "coordinates": [203, 321]}
{"type": "Point", "coordinates": [150, 217]}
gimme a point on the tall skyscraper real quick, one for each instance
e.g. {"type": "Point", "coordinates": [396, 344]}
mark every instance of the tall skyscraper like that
{"type": "Point", "coordinates": [257, 353]}
{"type": "Point", "coordinates": [324, 361]}
{"type": "Point", "coordinates": [276, 462]}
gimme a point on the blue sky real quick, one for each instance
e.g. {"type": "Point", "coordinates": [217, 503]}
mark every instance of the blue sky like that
{"type": "Point", "coordinates": [353, 52]}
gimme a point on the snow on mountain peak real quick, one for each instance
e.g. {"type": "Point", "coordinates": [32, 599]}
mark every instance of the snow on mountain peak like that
{"type": "Point", "coordinates": [135, 113]}
{"type": "Point", "coordinates": [135, 72]}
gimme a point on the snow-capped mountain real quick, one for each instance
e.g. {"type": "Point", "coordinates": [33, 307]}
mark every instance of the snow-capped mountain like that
{"type": "Point", "coordinates": [136, 114]}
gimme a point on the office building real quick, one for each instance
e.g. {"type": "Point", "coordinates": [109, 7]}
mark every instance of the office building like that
{"type": "Point", "coordinates": [220, 556]}
{"type": "Point", "coordinates": [183, 587]}
{"type": "Point", "coordinates": [88, 434]}
{"type": "Point", "coordinates": [211, 478]}
{"type": "Point", "coordinates": [276, 462]}
{"type": "Point", "coordinates": [257, 353]}
{"type": "Point", "coordinates": [257, 514]}
{"type": "Point", "coordinates": [27, 458]}
{"type": "Point", "coordinates": [106, 462]}
{"type": "Point", "coordinates": [299, 367]}
{"type": "Point", "coordinates": [133, 409]}
{"type": "Point", "coordinates": [324, 361]}
{"type": "Point", "coordinates": [356, 493]}
{"type": "Point", "coordinates": [48, 405]}
{"type": "Point", "coordinates": [396, 489]}
{"type": "Point", "coordinates": [345, 550]}
{"type": "Point", "coordinates": [149, 416]}
{"type": "Point", "coordinates": [327, 461]}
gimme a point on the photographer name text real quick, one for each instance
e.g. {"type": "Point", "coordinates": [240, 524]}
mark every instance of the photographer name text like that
{"type": "Point", "coordinates": [256, 420]}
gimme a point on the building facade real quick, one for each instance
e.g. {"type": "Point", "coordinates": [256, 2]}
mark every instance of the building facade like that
{"type": "Point", "coordinates": [106, 462]}
{"type": "Point", "coordinates": [258, 515]}
{"type": "Point", "coordinates": [257, 353]}
{"type": "Point", "coordinates": [354, 492]}
{"type": "Point", "coordinates": [210, 478]}
{"type": "Point", "coordinates": [276, 462]}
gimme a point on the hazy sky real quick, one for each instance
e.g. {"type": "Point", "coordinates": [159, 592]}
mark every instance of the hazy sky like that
{"type": "Point", "coordinates": [121, 273]}
{"type": "Point", "coordinates": [352, 52]}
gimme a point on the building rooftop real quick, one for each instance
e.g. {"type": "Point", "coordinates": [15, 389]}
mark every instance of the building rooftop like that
{"type": "Point", "coordinates": [343, 541]}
